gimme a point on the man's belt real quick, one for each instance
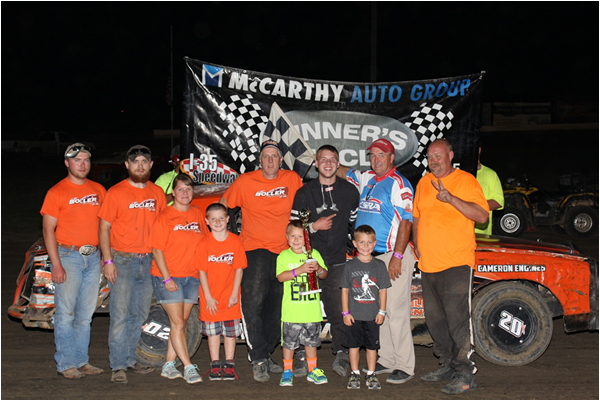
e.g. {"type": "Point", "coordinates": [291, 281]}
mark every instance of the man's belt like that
{"type": "Point", "coordinates": [85, 250]}
{"type": "Point", "coordinates": [129, 254]}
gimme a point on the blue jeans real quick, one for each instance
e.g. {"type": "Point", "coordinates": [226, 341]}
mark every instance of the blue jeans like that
{"type": "Point", "coordinates": [130, 299]}
{"type": "Point", "coordinates": [75, 302]}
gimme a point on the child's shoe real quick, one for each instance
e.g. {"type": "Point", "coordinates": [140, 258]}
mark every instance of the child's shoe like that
{"type": "Point", "coordinates": [216, 371]}
{"type": "Point", "coordinates": [353, 382]}
{"type": "Point", "coordinates": [373, 382]}
{"type": "Point", "coordinates": [228, 372]}
{"type": "Point", "coordinates": [317, 376]}
{"type": "Point", "coordinates": [287, 378]}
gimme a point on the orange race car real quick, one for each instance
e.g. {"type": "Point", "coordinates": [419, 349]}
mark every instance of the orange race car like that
{"type": "Point", "coordinates": [519, 287]}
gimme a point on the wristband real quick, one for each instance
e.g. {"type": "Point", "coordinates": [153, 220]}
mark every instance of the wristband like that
{"type": "Point", "coordinates": [311, 229]}
{"type": "Point", "coordinates": [382, 312]}
{"type": "Point", "coordinates": [318, 274]}
{"type": "Point", "coordinates": [108, 262]}
{"type": "Point", "coordinates": [397, 255]}
{"type": "Point", "coordinates": [168, 280]}
{"type": "Point", "coordinates": [294, 273]}
{"type": "Point", "coordinates": [344, 314]}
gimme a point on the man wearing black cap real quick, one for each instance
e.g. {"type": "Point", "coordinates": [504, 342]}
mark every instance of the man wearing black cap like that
{"type": "Point", "coordinates": [265, 197]}
{"type": "Point", "coordinates": [386, 205]}
{"type": "Point", "coordinates": [70, 226]}
{"type": "Point", "coordinates": [127, 215]}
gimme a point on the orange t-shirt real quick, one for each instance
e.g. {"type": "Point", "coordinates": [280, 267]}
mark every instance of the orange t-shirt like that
{"type": "Point", "coordinates": [445, 237]}
{"type": "Point", "coordinates": [266, 206]}
{"type": "Point", "coordinates": [76, 208]}
{"type": "Point", "coordinates": [220, 260]}
{"type": "Point", "coordinates": [177, 234]}
{"type": "Point", "coordinates": [131, 211]}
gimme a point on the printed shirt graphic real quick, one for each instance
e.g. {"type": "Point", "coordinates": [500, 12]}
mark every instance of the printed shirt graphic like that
{"type": "Point", "coordinates": [76, 208]}
{"type": "Point", "coordinates": [364, 280]}
{"type": "Point", "coordinates": [384, 202]}
{"type": "Point", "coordinates": [132, 212]}
{"type": "Point", "coordinates": [220, 260]}
{"type": "Point", "coordinates": [296, 308]}
{"type": "Point", "coordinates": [266, 207]}
{"type": "Point", "coordinates": [177, 234]}
{"type": "Point", "coordinates": [445, 237]}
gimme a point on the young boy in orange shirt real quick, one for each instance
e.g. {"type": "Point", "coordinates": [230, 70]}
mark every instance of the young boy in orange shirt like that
{"type": "Point", "coordinates": [221, 262]}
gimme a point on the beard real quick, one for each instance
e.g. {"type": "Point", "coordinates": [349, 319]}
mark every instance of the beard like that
{"type": "Point", "coordinates": [139, 177]}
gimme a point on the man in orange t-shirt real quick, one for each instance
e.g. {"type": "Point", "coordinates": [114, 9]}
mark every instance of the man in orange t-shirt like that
{"type": "Point", "coordinates": [447, 204]}
{"type": "Point", "coordinates": [70, 227]}
{"type": "Point", "coordinates": [127, 216]}
{"type": "Point", "coordinates": [265, 197]}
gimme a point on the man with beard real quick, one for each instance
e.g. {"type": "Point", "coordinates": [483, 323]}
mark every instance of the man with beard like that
{"type": "Point", "coordinates": [447, 204]}
{"type": "Point", "coordinates": [333, 203]}
{"type": "Point", "coordinates": [127, 216]}
{"type": "Point", "coordinates": [70, 226]}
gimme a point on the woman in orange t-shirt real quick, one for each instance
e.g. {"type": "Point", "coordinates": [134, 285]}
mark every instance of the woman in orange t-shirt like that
{"type": "Point", "coordinates": [174, 238]}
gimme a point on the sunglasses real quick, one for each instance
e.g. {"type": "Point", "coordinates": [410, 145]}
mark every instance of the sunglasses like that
{"type": "Point", "coordinates": [136, 151]}
{"type": "Point", "coordinates": [74, 151]}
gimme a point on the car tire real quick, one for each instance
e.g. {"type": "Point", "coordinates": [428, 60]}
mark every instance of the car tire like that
{"type": "Point", "coordinates": [512, 326]}
{"type": "Point", "coordinates": [581, 221]}
{"type": "Point", "coordinates": [512, 223]}
{"type": "Point", "coordinates": [152, 346]}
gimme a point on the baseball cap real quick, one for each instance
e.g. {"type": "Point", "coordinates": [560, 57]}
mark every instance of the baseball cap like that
{"type": "Point", "coordinates": [384, 145]}
{"type": "Point", "coordinates": [74, 149]}
{"type": "Point", "coordinates": [268, 143]}
{"type": "Point", "coordinates": [138, 150]}
{"type": "Point", "coordinates": [175, 158]}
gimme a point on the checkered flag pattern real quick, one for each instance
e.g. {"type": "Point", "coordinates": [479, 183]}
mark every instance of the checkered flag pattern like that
{"type": "Point", "coordinates": [297, 155]}
{"type": "Point", "coordinates": [246, 121]}
{"type": "Point", "coordinates": [429, 124]}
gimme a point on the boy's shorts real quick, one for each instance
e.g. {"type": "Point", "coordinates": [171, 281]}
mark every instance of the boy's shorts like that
{"type": "Point", "coordinates": [228, 328]}
{"type": "Point", "coordinates": [362, 334]}
{"type": "Point", "coordinates": [307, 334]}
{"type": "Point", "coordinates": [187, 292]}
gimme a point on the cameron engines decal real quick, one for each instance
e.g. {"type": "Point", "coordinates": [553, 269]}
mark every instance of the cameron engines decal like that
{"type": "Point", "coordinates": [509, 268]}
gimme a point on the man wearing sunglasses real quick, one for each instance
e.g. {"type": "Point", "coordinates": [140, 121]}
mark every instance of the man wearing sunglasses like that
{"type": "Point", "coordinates": [127, 216]}
{"type": "Point", "coordinates": [386, 199]}
{"type": "Point", "coordinates": [70, 228]}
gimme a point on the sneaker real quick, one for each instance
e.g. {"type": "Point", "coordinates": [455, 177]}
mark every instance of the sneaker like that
{"type": "Point", "coordinates": [191, 375]}
{"type": "Point", "coordinates": [398, 377]}
{"type": "Point", "coordinates": [287, 378]}
{"type": "Point", "coordinates": [341, 363]}
{"type": "Point", "coordinates": [90, 370]}
{"type": "Point", "coordinates": [273, 367]}
{"type": "Point", "coordinates": [228, 371]}
{"type": "Point", "coordinates": [139, 369]}
{"type": "Point", "coordinates": [72, 373]}
{"type": "Point", "coordinates": [373, 382]}
{"type": "Point", "coordinates": [317, 376]}
{"type": "Point", "coordinates": [170, 371]}
{"type": "Point", "coordinates": [353, 382]}
{"type": "Point", "coordinates": [379, 368]}
{"type": "Point", "coordinates": [260, 370]}
{"type": "Point", "coordinates": [460, 383]}
{"type": "Point", "coordinates": [216, 371]}
{"type": "Point", "coordinates": [300, 364]}
{"type": "Point", "coordinates": [119, 376]}
{"type": "Point", "coordinates": [444, 372]}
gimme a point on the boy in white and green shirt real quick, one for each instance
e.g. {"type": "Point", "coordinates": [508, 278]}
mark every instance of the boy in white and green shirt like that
{"type": "Point", "coordinates": [301, 315]}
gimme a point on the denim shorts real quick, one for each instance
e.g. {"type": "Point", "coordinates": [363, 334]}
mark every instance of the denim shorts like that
{"type": "Point", "coordinates": [187, 292]}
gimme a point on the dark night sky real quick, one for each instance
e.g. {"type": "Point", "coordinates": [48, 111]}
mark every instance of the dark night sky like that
{"type": "Point", "coordinates": [102, 68]}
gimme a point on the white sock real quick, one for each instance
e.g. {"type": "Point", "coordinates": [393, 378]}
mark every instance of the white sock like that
{"type": "Point", "coordinates": [370, 372]}
{"type": "Point", "coordinates": [356, 371]}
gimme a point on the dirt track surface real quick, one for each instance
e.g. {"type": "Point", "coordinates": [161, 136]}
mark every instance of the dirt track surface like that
{"type": "Point", "coordinates": [567, 370]}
